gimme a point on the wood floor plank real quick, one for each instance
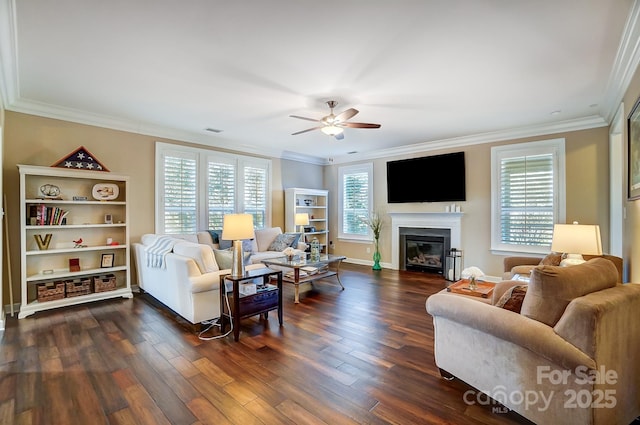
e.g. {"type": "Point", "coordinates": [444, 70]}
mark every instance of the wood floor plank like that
{"type": "Point", "coordinates": [230, 408]}
{"type": "Point", "coordinates": [298, 415]}
{"type": "Point", "coordinates": [144, 409]}
{"type": "Point", "coordinates": [206, 412]}
{"type": "Point", "coordinates": [359, 356]}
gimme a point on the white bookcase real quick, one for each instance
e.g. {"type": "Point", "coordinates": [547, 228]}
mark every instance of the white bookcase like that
{"type": "Point", "coordinates": [314, 202]}
{"type": "Point", "coordinates": [94, 221]}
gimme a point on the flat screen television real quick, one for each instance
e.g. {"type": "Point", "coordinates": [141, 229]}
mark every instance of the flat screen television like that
{"type": "Point", "coordinates": [436, 178]}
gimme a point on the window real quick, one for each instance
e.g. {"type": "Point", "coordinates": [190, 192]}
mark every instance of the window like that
{"type": "Point", "coordinates": [528, 195]}
{"type": "Point", "coordinates": [356, 201]}
{"type": "Point", "coordinates": [180, 209]}
{"type": "Point", "coordinates": [197, 187]}
{"type": "Point", "coordinates": [255, 194]}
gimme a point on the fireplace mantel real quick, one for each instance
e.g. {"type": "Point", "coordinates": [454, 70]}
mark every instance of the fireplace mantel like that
{"type": "Point", "coordinates": [435, 220]}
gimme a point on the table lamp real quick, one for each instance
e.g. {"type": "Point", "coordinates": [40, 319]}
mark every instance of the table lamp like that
{"type": "Point", "coordinates": [302, 219]}
{"type": "Point", "coordinates": [236, 227]}
{"type": "Point", "coordinates": [574, 240]}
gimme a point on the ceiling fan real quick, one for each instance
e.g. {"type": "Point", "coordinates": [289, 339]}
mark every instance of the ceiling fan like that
{"type": "Point", "coordinates": [333, 125]}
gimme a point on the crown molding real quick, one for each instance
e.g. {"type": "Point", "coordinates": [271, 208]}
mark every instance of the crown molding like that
{"type": "Point", "coordinates": [624, 66]}
{"type": "Point", "coordinates": [121, 124]}
{"type": "Point", "coordinates": [594, 121]}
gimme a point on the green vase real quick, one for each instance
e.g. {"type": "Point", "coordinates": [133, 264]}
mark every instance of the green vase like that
{"type": "Point", "coordinates": [376, 257]}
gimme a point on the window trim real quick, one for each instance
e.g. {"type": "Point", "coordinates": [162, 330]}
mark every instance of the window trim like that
{"type": "Point", "coordinates": [203, 157]}
{"type": "Point", "coordinates": [556, 147]}
{"type": "Point", "coordinates": [351, 169]}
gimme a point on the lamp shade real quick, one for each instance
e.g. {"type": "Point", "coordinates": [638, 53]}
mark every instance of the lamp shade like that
{"type": "Point", "coordinates": [301, 219]}
{"type": "Point", "coordinates": [237, 226]}
{"type": "Point", "coordinates": [577, 239]}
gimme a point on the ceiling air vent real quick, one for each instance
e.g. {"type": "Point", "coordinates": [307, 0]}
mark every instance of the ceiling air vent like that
{"type": "Point", "coordinates": [213, 130]}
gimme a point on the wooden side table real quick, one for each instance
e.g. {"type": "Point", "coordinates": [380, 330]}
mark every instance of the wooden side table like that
{"type": "Point", "coordinates": [268, 297]}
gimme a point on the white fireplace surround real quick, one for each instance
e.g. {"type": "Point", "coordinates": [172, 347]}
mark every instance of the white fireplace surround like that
{"type": "Point", "coordinates": [423, 220]}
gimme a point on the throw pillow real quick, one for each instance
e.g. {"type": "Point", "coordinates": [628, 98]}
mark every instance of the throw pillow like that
{"type": "Point", "coordinates": [512, 299]}
{"type": "Point", "coordinates": [247, 245]}
{"type": "Point", "coordinates": [552, 288]}
{"type": "Point", "coordinates": [224, 258]}
{"type": "Point", "coordinates": [281, 242]}
{"type": "Point", "coordinates": [552, 259]}
{"type": "Point", "coordinates": [296, 239]}
{"type": "Point", "coordinates": [215, 235]}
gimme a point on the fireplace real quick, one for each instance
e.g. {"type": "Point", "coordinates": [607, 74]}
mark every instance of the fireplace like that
{"type": "Point", "coordinates": [449, 221]}
{"type": "Point", "coordinates": [423, 249]}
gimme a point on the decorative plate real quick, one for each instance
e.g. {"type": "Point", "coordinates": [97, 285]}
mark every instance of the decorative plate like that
{"type": "Point", "coordinates": [50, 190]}
{"type": "Point", "coordinates": [105, 191]}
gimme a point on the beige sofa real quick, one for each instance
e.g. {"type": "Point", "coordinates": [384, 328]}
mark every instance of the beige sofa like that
{"type": "Point", "coordinates": [569, 357]}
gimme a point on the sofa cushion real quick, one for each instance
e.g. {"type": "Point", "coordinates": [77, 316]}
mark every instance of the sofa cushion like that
{"type": "Point", "coordinates": [224, 258]}
{"type": "Point", "coordinates": [512, 299]}
{"type": "Point", "coordinates": [264, 237]}
{"type": "Point", "coordinates": [201, 254]}
{"type": "Point", "coordinates": [282, 241]}
{"type": "Point", "coordinates": [552, 288]}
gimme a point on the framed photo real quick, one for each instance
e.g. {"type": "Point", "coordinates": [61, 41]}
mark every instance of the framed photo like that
{"type": "Point", "coordinates": [108, 219]}
{"type": "Point", "coordinates": [107, 260]}
{"type": "Point", "coordinates": [633, 167]}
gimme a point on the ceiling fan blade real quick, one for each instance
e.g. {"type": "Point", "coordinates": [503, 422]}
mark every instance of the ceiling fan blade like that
{"type": "Point", "coordinates": [304, 131]}
{"type": "Point", "coordinates": [358, 125]}
{"type": "Point", "coordinates": [304, 118]}
{"type": "Point", "coordinates": [339, 136]}
{"type": "Point", "coordinates": [345, 115]}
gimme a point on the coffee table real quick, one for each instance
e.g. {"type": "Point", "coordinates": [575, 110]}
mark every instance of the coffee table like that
{"type": "Point", "coordinates": [327, 266]}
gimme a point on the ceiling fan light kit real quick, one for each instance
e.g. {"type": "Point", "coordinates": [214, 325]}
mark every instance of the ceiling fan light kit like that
{"type": "Point", "coordinates": [333, 125]}
{"type": "Point", "coordinates": [331, 130]}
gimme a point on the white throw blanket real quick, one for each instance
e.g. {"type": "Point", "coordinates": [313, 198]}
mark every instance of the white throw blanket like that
{"type": "Point", "coordinates": [158, 250]}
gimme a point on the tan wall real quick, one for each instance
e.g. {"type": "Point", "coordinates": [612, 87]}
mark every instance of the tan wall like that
{"type": "Point", "coordinates": [587, 196]}
{"type": "Point", "coordinates": [631, 237]}
{"type": "Point", "coordinates": [35, 140]}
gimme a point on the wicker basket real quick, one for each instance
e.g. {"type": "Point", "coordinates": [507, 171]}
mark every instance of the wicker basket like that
{"type": "Point", "coordinates": [77, 287]}
{"type": "Point", "coordinates": [104, 283]}
{"type": "Point", "coordinates": [49, 291]}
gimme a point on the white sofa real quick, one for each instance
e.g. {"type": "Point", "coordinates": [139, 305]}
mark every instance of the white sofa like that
{"type": "Point", "coordinates": [189, 280]}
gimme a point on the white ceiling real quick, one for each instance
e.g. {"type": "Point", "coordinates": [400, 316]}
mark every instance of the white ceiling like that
{"type": "Point", "coordinates": [431, 72]}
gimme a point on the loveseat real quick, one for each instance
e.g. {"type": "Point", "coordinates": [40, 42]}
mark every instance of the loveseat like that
{"type": "Point", "coordinates": [187, 277]}
{"type": "Point", "coordinates": [568, 357]}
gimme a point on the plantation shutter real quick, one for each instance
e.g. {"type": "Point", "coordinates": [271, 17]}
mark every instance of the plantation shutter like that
{"type": "Point", "coordinates": [527, 200]}
{"type": "Point", "coordinates": [221, 190]}
{"type": "Point", "coordinates": [180, 193]}
{"type": "Point", "coordinates": [255, 194]}
{"type": "Point", "coordinates": [355, 210]}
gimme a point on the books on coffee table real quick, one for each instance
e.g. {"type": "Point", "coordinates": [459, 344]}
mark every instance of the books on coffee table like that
{"type": "Point", "coordinates": [309, 270]}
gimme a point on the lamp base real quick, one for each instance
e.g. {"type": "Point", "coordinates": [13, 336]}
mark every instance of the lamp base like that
{"type": "Point", "coordinates": [572, 260]}
{"type": "Point", "coordinates": [237, 262]}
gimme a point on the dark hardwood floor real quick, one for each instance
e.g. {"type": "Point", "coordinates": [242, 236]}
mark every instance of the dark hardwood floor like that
{"type": "Point", "coordinates": [359, 356]}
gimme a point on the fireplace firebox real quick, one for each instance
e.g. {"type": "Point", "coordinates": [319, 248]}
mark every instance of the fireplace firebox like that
{"type": "Point", "coordinates": [424, 249]}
